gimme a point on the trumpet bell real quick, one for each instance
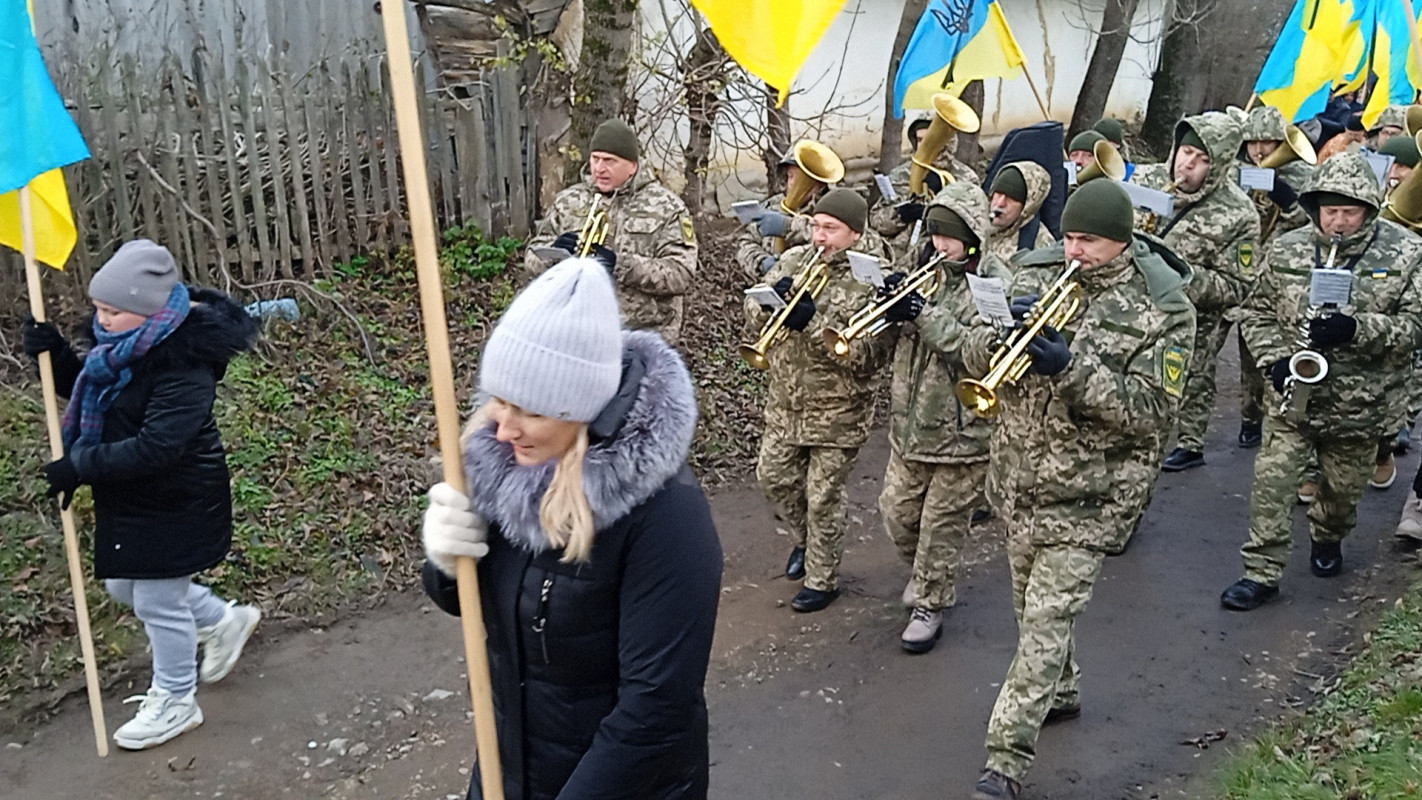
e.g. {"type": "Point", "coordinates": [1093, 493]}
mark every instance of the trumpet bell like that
{"type": "Point", "coordinates": [819, 166]}
{"type": "Point", "coordinates": [755, 357]}
{"type": "Point", "coordinates": [978, 396]}
{"type": "Point", "coordinates": [1108, 164]}
{"type": "Point", "coordinates": [1307, 366]}
{"type": "Point", "coordinates": [1296, 147]}
{"type": "Point", "coordinates": [949, 116]}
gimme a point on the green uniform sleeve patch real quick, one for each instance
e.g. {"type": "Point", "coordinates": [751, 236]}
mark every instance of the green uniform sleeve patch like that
{"type": "Point", "coordinates": [1172, 371]}
{"type": "Point", "coordinates": [688, 230]}
{"type": "Point", "coordinates": [1246, 259]}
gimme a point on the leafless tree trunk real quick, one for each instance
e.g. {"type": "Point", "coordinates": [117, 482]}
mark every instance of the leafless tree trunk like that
{"type": "Point", "coordinates": [892, 136]}
{"type": "Point", "coordinates": [969, 151]}
{"type": "Point", "coordinates": [777, 128]}
{"type": "Point", "coordinates": [704, 79]}
{"type": "Point", "coordinates": [598, 87]}
{"type": "Point", "coordinates": [1105, 62]}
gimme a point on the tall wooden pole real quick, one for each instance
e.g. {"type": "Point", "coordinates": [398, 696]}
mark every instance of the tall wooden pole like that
{"type": "Point", "coordinates": [56, 451]}
{"type": "Point", "coordinates": [1046, 115]}
{"type": "Point", "coordinates": [422, 229]}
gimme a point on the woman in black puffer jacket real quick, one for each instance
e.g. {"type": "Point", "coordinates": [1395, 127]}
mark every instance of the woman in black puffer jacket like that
{"type": "Point", "coordinates": [599, 567]}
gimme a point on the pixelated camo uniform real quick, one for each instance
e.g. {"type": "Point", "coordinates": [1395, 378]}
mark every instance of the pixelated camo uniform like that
{"type": "Point", "coordinates": [1006, 242]}
{"type": "Point", "coordinates": [883, 217]}
{"type": "Point", "coordinates": [752, 248]}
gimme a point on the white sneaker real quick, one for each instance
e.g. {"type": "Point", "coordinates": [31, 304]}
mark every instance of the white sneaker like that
{"type": "Point", "coordinates": [909, 596]}
{"type": "Point", "coordinates": [222, 643]}
{"type": "Point", "coordinates": [1410, 526]}
{"type": "Point", "coordinates": [162, 716]}
{"type": "Point", "coordinates": [924, 628]}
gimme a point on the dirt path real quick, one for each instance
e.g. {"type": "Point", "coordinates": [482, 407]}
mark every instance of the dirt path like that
{"type": "Point", "coordinates": [820, 706]}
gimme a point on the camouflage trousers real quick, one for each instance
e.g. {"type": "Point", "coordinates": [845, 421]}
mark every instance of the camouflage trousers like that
{"type": "Point", "coordinates": [1199, 398]}
{"type": "Point", "coordinates": [1344, 466]}
{"type": "Point", "coordinates": [927, 508]}
{"type": "Point", "coordinates": [1050, 588]}
{"type": "Point", "coordinates": [1251, 385]}
{"type": "Point", "coordinates": [806, 486]}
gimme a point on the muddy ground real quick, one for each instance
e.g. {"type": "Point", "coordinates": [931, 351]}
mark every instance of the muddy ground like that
{"type": "Point", "coordinates": [822, 706]}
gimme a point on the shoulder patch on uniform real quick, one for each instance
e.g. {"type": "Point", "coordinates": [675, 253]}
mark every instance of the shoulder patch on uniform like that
{"type": "Point", "coordinates": [688, 229]}
{"type": "Point", "coordinates": [1246, 258]}
{"type": "Point", "coordinates": [1172, 371]}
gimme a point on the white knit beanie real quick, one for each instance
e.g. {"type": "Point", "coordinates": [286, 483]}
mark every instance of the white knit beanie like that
{"type": "Point", "coordinates": [557, 350]}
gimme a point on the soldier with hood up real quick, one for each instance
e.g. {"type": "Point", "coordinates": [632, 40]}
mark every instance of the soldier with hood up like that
{"type": "Point", "coordinates": [939, 448]}
{"type": "Point", "coordinates": [894, 219]}
{"type": "Point", "coordinates": [1215, 229]}
{"type": "Point", "coordinates": [1017, 195]}
{"type": "Point", "coordinates": [1368, 342]}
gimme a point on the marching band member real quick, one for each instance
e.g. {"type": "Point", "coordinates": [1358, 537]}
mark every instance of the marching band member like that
{"type": "Point", "coordinates": [1018, 191]}
{"type": "Point", "coordinates": [894, 219]}
{"type": "Point", "coordinates": [755, 244]}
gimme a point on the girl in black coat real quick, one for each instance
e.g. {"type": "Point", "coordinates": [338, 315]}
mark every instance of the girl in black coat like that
{"type": "Point", "coordinates": [139, 430]}
{"type": "Point", "coordinates": [600, 567]}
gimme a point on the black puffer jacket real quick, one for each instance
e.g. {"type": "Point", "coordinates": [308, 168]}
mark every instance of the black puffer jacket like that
{"type": "Point", "coordinates": [598, 668]}
{"type": "Point", "coordinates": [162, 499]}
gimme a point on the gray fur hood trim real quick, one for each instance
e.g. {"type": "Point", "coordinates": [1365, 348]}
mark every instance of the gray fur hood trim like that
{"type": "Point", "coordinates": [619, 474]}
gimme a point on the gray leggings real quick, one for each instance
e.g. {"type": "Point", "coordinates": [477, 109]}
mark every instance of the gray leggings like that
{"type": "Point", "coordinates": [171, 609]}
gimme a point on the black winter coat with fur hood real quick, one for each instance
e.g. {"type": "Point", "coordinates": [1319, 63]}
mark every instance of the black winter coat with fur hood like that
{"type": "Point", "coordinates": [162, 494]}
{"type": "Point", "coordinates": [598, 668]}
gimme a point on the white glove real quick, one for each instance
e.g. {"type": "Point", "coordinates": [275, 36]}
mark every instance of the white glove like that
{"type": "Point", "coordinates": [452, 529]}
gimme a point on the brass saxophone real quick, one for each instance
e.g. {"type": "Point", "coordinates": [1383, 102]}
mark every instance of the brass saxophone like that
{"type": "Point", "coordinates": [1307, 366]}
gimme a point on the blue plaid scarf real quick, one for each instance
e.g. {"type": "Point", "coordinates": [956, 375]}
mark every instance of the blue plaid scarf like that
{"type": "Point", "coordinates": [109, 367]}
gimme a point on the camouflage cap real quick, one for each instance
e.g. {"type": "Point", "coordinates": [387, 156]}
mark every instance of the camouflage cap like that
{"type": "Point", "coordinates": [1265, 123]}
{"type": "Point", "coordinates": [967, 202]}
{"type": "Point", "coordinates": [1346, 174]}
{"type": "Point", "coordinates": [1392, 116]}
{"type": "Point", "coordinates": [1222, 137]}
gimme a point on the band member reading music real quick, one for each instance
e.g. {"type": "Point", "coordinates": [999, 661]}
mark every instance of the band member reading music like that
{"type": "Point", "coordinates": [761, 242]}
{"type": "Point", "coordinates": [820, 407]}
{"type": "Point", "coordinates": [650, 246]}
{"type": "Point", "coordinates": [1017, 195]}
{"type": "Point", "coordinates": [1364, 342]}
{"type": "Point", "coordinates": [1066, 462]}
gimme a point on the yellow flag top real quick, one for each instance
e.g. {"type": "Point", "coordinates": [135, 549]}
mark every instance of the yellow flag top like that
{"type": "Point", "coordinates": [772, 39]}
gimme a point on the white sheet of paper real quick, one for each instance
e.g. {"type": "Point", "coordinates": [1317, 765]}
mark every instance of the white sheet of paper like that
{"type": "Point", "coordinates": [917, 233]}
{"type": "Point", "coordinates": [552, 254]}
{"type": "Point", "coordinates": [886, 187]}
{"type": "Point", "coordinates": [748, 211]}
{"type": "Point", "coordinates": [1150, 199]}
{"type": "Point", "coordinates": [1330, 287]}
{"type": "Point", "coordinates": [1070, 167]}
{"type": "Point", "coordinates": [1380, 164]}
{"type": "Point", "coordinates": [766, 296]}
{"type": "Point", "coordinates": [991, 299]}
{"type": "Point", "coordinates": [1256, 178]}
{"type": "Point", "coordinates": [866, 269]}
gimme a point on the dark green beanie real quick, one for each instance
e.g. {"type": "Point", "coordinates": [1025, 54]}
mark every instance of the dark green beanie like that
{"type": "Point", "coordinates": [1403, 149]}
{"type": "Point", "coordinates": [1112, 129]}
{"type": "Point", "coordinates": [846, 206]}
{"type": "Point", "coordinates": [1191, 138]}
{"type": "Point", "coordinates": [1085, 140]}
{"type": "Point", "coordinates": [1321, 199]}
{"type": "Point", "coordinates": [944, 221]}
{"type": "Point", "coordinates": [617, 138]}
{"type": "Point", "coordinates": [1102, 208]}
{"type": "Point", "coordinates": [1010, 182]}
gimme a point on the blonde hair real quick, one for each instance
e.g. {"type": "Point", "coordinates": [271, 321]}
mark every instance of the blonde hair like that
{"type": "Point", "coordinates": [564, 511]}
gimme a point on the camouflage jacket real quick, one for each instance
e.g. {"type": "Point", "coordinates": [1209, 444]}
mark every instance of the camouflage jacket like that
{"type": "Point", "coordinates": [884, 219]}
{"type": "Point", "coordinates": [1362, 393]}
{"type": "Point", "coordinates": [653, 237]}
{"type": "Point", "coordinates": [816, 399]}
{"type": "Point", "coordinates": [927, 422]}
{"type": "Point", "coordinates": [1077, 453]}
{"type": "Point", "coordinates": [752, 248]}
{"type": "Point", "coordinates": [1004, 243]}
{"type": "Point", "coordinates": [1215, 229]}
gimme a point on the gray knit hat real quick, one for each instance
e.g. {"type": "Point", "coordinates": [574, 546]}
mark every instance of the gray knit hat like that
{"type": "Point", "coordinates": [139, 278]}
{"type": "Point", "coordinates": [557, 350]}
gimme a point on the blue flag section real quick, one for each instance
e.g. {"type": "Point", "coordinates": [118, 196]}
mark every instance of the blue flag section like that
{"type": "Point", "coordinates": [39, 135]}
{"type": "Point", "coordinates": [943, 30]}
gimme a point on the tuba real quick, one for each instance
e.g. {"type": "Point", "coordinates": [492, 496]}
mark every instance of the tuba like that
{"type": "Point", "coordinates": [1108, 164]}
{"type": "Point", "coordinates": [1296, 147]}
{"type": "Point", "coordinates": [1056, 307]}
{"type": "Point", "coordinates": [950, 115]}
{"type": "Point", "coordinates": [811, 280]}
{"type": "Point", "coordinates": [870, 321]}
{"type": "Point", "coordinates": [1307, 366]}
{"type": "Point", "coordinates": [595, 229]}
{"type": "Point", "coordinates": [819, 166]}
{"type": "Point", "coordinates": [1413, 126]}
{"type": "Point", "coordinates": [1404, 203]}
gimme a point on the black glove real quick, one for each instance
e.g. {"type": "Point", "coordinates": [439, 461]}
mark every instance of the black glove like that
{"type": "Point", "coordinates": [799, 317]}
{"type": "Point", "coordinates": [906, 309]}
{"type": "Point", "coordinates": [604, 254]}
{"type": "Point", "coordinates": [910, 212]}
{"type": "Point", "coordinates": [933, 181]}
{"type": "Point", "coordinates": [63, 480]}
{"type": "Point", "coordinates": [767, 263]}
{"type": "Point", "coordinates": [1277, 373]}
{"type": "Point", "coordinates": [891, 282]}
{"type": "Point", "coordinates": [1283, 194]}
{"type": "Point", "coordinates": [1021, 305]}
{"type": "Point", "coordinates": [567, 241]}
{"type": "Point", "coordinates": [42, 337]}
{"type": "Point", "coordinates": [784, 287]}
{"type": "Point", "coordinates": [1050, 352]}
{"type": "Point", "coordinates": [772, 224]}
{"type": "Point", "coordinates": [1332, 330]}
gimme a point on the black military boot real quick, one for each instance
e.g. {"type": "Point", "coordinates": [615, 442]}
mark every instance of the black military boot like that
{"type": "Point", "coordinates": [1251, 434]}
{"type": "Point", "coordinates": [1247, 595]}
{"type": "Point", "coordinates": [993, 785]}
{"type": "Point", "coordinates": [813, 599]}
{"type": "Point", "coordinates": [795, 567]}
{"type": "Point", "coordinates": [1326, 559]}
{"type": "Point", "coordinates": [1181, 459]}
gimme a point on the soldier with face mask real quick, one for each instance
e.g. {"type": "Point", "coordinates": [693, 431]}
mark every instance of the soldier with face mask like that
{"type": "Point", "coordinates": [1018, 191]}
{"type": "Point", "coordinates": [1215, 229]}
{"type": "Point", "coordinates": [1367, 341]}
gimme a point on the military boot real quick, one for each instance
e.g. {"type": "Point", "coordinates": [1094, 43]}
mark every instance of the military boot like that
{"type": "Point", "coordinates": [1181, 459]}
{"type": "Point", "coordinates": [924, 628]}
{"type": "Point", "coordinates": [993, 785]}
{"type": "Point", "coordinates": [1251, 434]}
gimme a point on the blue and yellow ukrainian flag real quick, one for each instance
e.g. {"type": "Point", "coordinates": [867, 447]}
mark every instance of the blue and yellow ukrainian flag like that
{"type": "Point", "coordinates": [956, 42]}
{"type": "Point", "coordinates": [1393, 59]}
{"type": "Point", "coordinates": [1317, 49]}
{"type": "Point", "coordinates": [770, 38]}
{"type": "Point", "coordinates": [37, 137]}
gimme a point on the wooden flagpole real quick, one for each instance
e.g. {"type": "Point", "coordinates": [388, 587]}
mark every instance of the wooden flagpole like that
{"type": "Point", "coordinates": [417, 192]}
{"type": "Point", "coordinates": [56, 451]}
{"type": "Point", "coordinates": [1046, 115]}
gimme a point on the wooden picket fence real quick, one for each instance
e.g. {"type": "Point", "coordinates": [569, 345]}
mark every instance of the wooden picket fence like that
{"type": "Point", "coordinates": [266, 174]}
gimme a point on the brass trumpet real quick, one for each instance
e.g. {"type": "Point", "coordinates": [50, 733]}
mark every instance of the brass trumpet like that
{"type": "Point", "coordinates": [1056, 307]}
{"type": "Point", "coordinates": [811, 280]}
{"type": "Point", "coordinates": [1307, 366]}
{"type": "Point", "coordinates": [595, 229]}
{"type": "Point", "coordinates": [870, 320]}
